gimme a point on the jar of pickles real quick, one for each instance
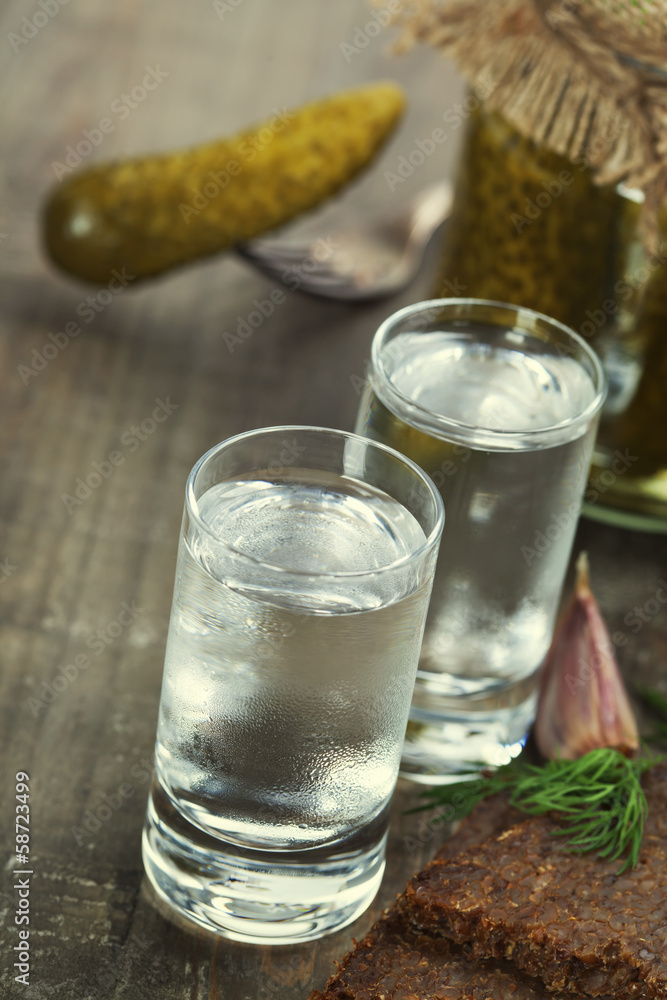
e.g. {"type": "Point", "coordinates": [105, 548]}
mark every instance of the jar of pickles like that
{"type": "Point", "coordinates": [530, 227]}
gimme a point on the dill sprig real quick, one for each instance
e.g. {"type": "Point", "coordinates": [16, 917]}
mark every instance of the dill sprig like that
{"type": "Point", "coordinates": [598, 798]}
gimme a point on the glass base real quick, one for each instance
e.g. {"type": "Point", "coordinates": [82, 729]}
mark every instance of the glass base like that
{"type": "Point", "coordinates": [262, 897]}
{"type": "Point", "coordinates": [443, 746]}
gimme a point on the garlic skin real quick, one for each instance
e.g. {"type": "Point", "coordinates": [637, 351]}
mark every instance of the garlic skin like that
{"type": "Point", "coordinates": [583, 704]}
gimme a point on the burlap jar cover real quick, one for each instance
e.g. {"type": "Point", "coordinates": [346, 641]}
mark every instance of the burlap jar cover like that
{"type": "Point", "coordinates": [567, 73]}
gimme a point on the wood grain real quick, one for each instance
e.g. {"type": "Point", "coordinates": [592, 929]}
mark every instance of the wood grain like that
{"type": "Point", "coordinates": [94, 929]}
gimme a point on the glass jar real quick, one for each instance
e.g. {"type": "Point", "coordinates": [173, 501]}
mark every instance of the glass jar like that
{"type": "Point", "coordinates": [530, 227]}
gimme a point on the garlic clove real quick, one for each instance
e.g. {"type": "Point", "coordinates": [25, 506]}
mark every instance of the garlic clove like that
{"type": "Point", "coordinates": [583, 703]}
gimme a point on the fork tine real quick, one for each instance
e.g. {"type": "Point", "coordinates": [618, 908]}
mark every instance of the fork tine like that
{"type": "Point", "coordinates": [328, 283]}
{"type": "Point", "coordinates": [273, 250]}
{"type": "Point", "coordinates": [323, 276]}
{"type": "Point", "coordinates": [387, 252]}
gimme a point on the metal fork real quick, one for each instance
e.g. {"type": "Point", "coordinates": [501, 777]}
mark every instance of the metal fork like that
{"type": "Point", "coordinates": [377, 258]}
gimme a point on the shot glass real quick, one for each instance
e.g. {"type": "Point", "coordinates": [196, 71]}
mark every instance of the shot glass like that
{"type": "Point", "coordinates": [499, 405]}
{"type": "Point", "coordinates": [305, 567]}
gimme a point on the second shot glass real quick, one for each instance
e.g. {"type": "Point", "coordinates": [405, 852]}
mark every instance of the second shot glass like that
{"type": "Point", "coordinates": [499, 405]}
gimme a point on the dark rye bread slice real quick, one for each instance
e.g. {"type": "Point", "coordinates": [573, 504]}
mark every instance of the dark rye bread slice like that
{"type": "Point", "coordinates": [395, 963]}
{"type": "Point", "coordinates": [568, 919]}
{"type": "Point", "coordinates": [392, 963]}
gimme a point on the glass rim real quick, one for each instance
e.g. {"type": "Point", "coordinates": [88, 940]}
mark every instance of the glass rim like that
{"type": "Point", "coordinates": [433, 423]}
{"type": "Point", "coordinates": [431, 539]}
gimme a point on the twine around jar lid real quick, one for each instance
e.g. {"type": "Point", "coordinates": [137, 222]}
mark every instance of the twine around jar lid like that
{"type": "Point", "coordinates": [586, 78]}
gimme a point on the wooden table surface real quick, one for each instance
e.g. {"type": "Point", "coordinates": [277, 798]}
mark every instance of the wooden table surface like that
{"type": "Point", "coordinates": [69, 570]}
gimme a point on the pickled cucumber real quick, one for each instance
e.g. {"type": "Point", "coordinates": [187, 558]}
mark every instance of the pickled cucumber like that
{"type": "Point", "coordinates": [156, 212]}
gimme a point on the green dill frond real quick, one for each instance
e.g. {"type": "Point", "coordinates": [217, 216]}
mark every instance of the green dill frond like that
{"type": "Point", "coordinates": [598, 799]}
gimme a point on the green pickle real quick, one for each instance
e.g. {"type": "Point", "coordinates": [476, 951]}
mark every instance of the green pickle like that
{"type": "Point", "coordinates": [152, 213]}
{"type": "Point", "coordinates": [531, 228]}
